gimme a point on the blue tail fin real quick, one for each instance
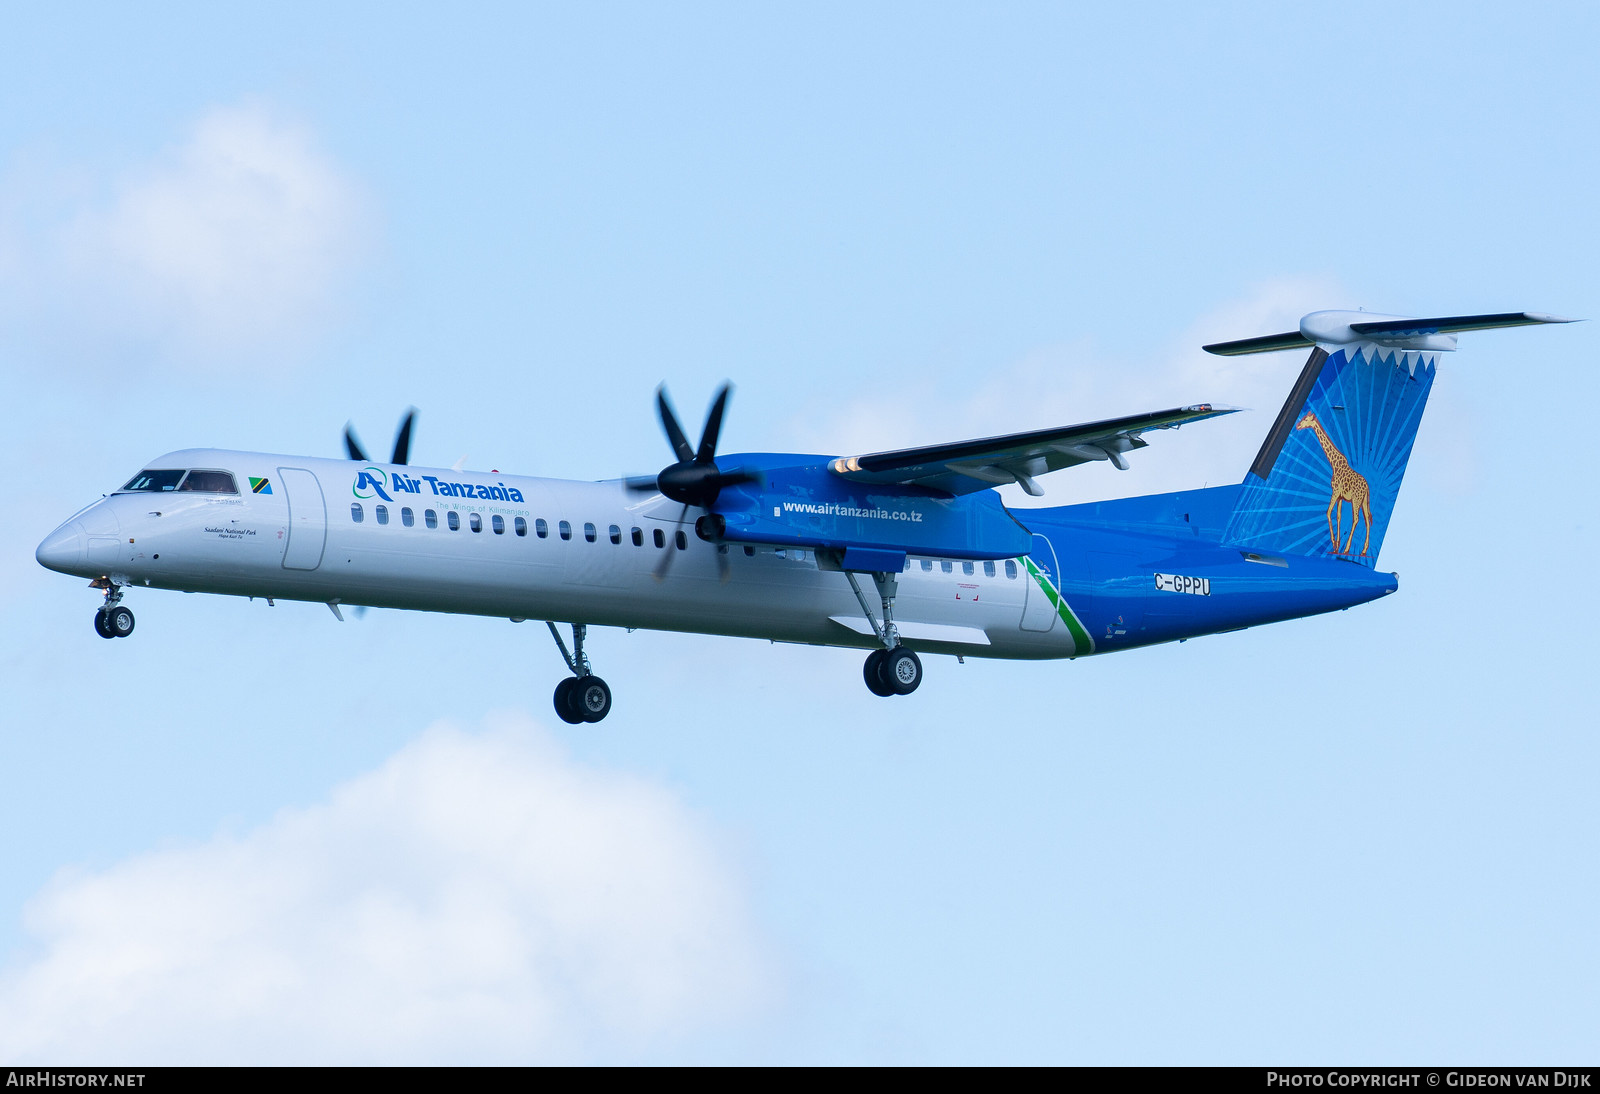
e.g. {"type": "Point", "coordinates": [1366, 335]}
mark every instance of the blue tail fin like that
{"type": "Point", "coordinates": [1342, 450]}
{"type": "Point", "coordinates": [1326, 478]}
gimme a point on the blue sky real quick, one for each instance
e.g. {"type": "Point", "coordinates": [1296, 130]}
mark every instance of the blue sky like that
{"type": "Point", "coordinates": [253, 833]}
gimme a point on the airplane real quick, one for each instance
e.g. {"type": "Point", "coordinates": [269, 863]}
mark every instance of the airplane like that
{"type": "Point", "coordinates": [780, 545]}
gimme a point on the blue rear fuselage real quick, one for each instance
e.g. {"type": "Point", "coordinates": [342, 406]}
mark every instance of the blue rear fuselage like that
{"type": "Point", "coordinates": [1137, 571]}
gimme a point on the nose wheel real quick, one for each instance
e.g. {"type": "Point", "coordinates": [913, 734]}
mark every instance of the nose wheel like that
{"type": "Point", "coordinates": [113, 620]}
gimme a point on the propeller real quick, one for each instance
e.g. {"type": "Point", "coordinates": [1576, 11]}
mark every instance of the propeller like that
{"type": "Point", "coordinates": [694, 480]}
{"type": "Point", "coordinates": [402, 441]}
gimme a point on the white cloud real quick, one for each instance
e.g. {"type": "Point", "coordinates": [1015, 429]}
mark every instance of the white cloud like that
{"type": "Point", "coordinates": [233, 244]}
{"type": "Point", "coordinates": [1076, 382]}
{"type": "Point", "coordinates": [480, 897]}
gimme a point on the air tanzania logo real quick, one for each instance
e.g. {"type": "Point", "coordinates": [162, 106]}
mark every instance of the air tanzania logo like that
{"type": "Point", "coordinates": [372, 480]}
{"type": "Point", "coordinates": [1347, 486]}
{"type": "Point", "coordinates": [260, 486]}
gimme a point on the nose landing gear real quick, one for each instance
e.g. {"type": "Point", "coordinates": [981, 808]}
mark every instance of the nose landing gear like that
{"type": "Point", "coordinates": [112, 620]}
{"type": "Point", "coordinates": [583, 696]}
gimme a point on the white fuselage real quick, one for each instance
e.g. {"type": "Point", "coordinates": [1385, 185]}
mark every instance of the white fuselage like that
{"type": "Point", "coordinates": [300, 539]}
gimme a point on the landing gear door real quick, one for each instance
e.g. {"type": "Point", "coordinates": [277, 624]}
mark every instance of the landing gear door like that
{"type": "Point", "coordinates": [1039, 610]}
{"type": "Point", "coordinates": [308, 519]}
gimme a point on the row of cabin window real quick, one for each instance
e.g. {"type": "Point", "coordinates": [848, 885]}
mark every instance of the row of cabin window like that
{"type": "Point", "coordinates": [497, 523]}
{"type": "Point", "coordinates": [431, 519]}
{"type": "Point", "coordinates": [542, 529]}
{"type": "Point", "coordinates": [968, 568]}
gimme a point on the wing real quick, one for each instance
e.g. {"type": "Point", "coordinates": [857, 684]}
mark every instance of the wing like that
{"type": "Point", "coordinates": [967, 466]}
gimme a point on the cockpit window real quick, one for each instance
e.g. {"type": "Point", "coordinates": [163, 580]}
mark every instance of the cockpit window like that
{"type": "Point", "coordinates": [210, 482]}
{"type": "Point", "coordinates": [153, 481]}
{"type": "Point", "coordinates": [201, 482]}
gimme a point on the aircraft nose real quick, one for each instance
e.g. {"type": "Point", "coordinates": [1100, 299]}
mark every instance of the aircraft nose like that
{"type": "Point", "coordinates": [63, 549]}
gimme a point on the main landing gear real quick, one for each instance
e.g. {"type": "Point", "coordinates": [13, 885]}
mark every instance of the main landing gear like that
{"type": "Point", "coordinates": [893, 670]}
{"type": "Point", "coordinates": [112, 620]}
{"type": "Point", "coordinates": [583, 696]}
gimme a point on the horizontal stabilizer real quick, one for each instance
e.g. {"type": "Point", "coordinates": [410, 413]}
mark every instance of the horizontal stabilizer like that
{"type": "Point", "coordinates": [1267, 343]}
{"type": "Point", "coordinates": [1340, 328]}
{"type": "Point", "coordinates": [1454, 324]}
{"type": "Point", "coordinates": [963, 467]}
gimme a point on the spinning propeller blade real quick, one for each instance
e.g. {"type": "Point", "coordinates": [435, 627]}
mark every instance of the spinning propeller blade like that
{"type": "Point", "coordinates": [402, 441]}
{"type": "Point", "coordinates": [352, 445]}
{"type": "Point", "coordinates": [695, 480]}
{"type": "Point", "coordinates": [669, 422]}
{"type": "Point", "coordinates": [660, 572]}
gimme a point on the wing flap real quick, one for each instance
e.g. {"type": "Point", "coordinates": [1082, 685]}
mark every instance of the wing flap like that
{"type": "Point", "coordinates": [963, 467]}
{"type": "Point", "coordinates": [925, 632]}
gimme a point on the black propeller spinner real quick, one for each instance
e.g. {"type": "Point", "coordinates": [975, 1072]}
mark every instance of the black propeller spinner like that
{"type": "Point", "coordinates": [402, 440]}
{"type": "Point", "coordinates": [695, 480]}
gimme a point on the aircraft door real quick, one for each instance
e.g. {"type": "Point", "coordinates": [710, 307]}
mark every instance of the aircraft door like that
{"type": "Point", "coordinates": [1039, 611]}
{"type": "Point", "coordinates": [308, 519]}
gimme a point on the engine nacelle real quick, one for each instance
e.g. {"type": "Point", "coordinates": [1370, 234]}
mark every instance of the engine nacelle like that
{"type": "Point", "coordinates": [805, 505]}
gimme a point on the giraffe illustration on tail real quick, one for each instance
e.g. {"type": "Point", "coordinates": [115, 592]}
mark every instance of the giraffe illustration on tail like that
{"type": "Point", "coordinates": [1348, 485]}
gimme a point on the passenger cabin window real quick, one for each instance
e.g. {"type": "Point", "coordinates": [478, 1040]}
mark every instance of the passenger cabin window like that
{"type": "Point", "coordinates": [660, 537]}
{"type": "Point", "coordinates": [355, 512]}
{"type": "Point", "coordinates": [407, 517]}
{"type": "Point", "coordinates": [947, 566]}
{"type": "Point", "coordinates": [749, 552]}
{"type": "Point", "coordinates": [498, 523]}
{"type": "Point", "coordinates": [988, 568]}
{"type": "Point", "coordinates": [566, 530]}
{"type": "Point", "coordinates": [616, 534]}
{"type": "Point", "coordinates": [153, 481]}
{"type": "Point", "coordinates": [382, 513]}
{"type": "Point", "coordinates": [638, 537]}
{"type": "Point", "coordinates": [927, 565]}
{"type": "Point", "coordinates": [589, 533]}
{"type": "Point", "coordinates": [475, 521]}
{"type": "Point", "coordinates": [1011, 568]}
{"type": "Point", "coordinates": [453, 519]}
{"type": "Point", "coordinates": [966, 568]}
{"type": "Point", "coordinates": [209, 482]}
{"type": "Point", "coordinates": [521, 526]}
{"type": "Point", "coordinates": [430, 518]}
{"type": "Point", "coordinates": [683, 541]}
{"type": "Point", "coordinates": [540, 528]}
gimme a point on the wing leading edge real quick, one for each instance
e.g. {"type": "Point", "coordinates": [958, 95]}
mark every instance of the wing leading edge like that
{"type": "Point", "coordinates": [964, 467]}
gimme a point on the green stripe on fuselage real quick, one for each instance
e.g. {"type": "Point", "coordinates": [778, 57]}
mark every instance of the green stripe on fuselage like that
{"type": "Point", "coordinates": [1080, 636]}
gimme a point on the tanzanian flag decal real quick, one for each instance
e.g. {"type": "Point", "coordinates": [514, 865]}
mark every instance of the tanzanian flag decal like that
{"type": "Point", "coordinates": [260, 486]}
